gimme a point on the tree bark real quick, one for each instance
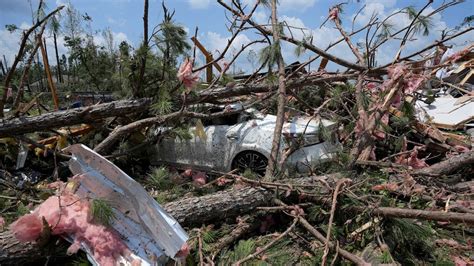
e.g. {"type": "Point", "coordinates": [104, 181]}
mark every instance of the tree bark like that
{"type": "Point", "coordinates": [218, 206]}
{"type": "Point", "coordinates": [448, 166]}
{"type": "Point", "coordinates": [58, 64]}
{"type": "Point", "coordinates": [143, 53]}
{"type": "Point", "coordinates": [70, 117]}
{"type": "Point", "coordinates": [273, 160]}
{"type": "Point", "coordinates": [122, 131]}
{"type": "Point", "coordinates": [14, 252]}
{"type": "Point", "coordinates": [454, 217]}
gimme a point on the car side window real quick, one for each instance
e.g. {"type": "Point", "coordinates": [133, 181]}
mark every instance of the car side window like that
{"type": "Point", "coordinates": [227, 120]}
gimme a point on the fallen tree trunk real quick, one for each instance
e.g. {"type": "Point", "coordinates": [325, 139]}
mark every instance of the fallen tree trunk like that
{"type": "Point", "coordinates": [14, 252]}
{"type": "Point", "coordinates": [71, 117]}
{"type": "Point", "coordinates": [218, 206]}
{"type": "Point", "coordinates": [448, 166]}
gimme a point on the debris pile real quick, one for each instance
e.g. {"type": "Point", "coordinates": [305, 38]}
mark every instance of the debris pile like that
{"type": "Point", "coordinates": [373, 165]}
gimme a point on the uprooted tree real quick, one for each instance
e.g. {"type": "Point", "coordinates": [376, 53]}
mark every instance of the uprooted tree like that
{"type": "Point", "coordinates": [399, 186]}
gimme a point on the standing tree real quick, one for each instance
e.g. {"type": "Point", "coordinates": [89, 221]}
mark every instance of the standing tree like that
{"type": "Point", "coordinates": [278, 59]}
{"type": "Point", "coordinates": [142, 53]}
{"type": "Point", "coordinates": [72, 31]}
{"type": "Point", "coordinates": [55, 30]}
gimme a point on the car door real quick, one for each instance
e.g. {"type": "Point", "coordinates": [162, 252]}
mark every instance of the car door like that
{"type": "Point", "coordinates": [216, 148]}
{"type": "Point", "coordinates": [205, 153]}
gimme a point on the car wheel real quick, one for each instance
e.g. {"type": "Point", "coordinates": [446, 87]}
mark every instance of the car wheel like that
{"type": "Point", "coordinates": [252, 160]}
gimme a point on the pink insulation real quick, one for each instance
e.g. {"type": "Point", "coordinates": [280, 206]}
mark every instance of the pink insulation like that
{"type": "Point", "coordinates": [460, 54]}
{"type": "Point", "coordinates": [408, 82]}
{"type": "Point", "coordinates": [199, 179]}
{"type": "Point", "coordinates": [68, 215]}
{"type": "Point", "coordinates": [186, 75]}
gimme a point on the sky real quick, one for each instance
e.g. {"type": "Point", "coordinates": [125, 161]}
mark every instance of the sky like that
{"type": "Point", "coordinates": [124, 19]}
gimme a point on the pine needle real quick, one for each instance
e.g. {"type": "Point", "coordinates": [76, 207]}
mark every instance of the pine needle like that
{"type": "Point", "coordinates": [102, 212]}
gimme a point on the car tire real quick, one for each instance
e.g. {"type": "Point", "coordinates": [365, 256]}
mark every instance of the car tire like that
{"type": "Point", "coordinates": [252, 160]}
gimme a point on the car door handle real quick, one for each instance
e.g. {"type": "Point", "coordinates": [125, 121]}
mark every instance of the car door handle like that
{"type": "Point", "coordinates": [232, 137]}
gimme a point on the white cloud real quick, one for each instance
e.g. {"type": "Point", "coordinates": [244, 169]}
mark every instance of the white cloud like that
{"type": "Point", "coordinates": [260, 17]}
{"type": "Point", "coordinates": [62, 49]}
{"type": "Point", "coordinates": [386, 3]}
{"type": "Point", "coordinates": [61, 3]}
{"type": "Point", "coordinates": [371, 9]}
{"type": "Point", "coordinates": [216, 42]}
{"type": "Point", "coordinates": [294, 27]}
{"type": "Point", "coordinates": [25, 25]}
{"type": "Point", "coordinates": [118, 37]}
{"type": "Point", "coordinates": [296, 4]}
{"type": "Point", "coordinates": [285, 5]}
{"type": "Point", "coordinates": [9, 43]}
{"type": "Point", "coordinates": [387, 51]}
{"type": "Point", "coordinates": [199, 4]}
{"type": "Point", "coordinates": [118, 22]}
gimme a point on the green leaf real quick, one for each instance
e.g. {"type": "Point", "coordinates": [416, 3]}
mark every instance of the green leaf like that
{"type": "Point", "coordinates": [271, 54]}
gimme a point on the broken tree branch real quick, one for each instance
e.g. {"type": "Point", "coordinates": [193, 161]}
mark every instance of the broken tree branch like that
{"type": "Point", "coordinates": [344, 253]}
{"type": "Point", "coordinates": [26, 69]}
{"type": "Point", "coordinates": [243, 227]}
{"type": "Point", "coordinates": [407, 33]}
{"type": "Point", "coordinates": [435, 44]}
{"type": "Point", "coordinates": [264, 248]}
{"type": "Point", "coordinates": [306, 45]}
{"type": "Point", "coordinates": [245, 89]}
{"type": "Point", "coordinates": [339, 184]}
{"type": "Point", "coordinates": [143, 53]}
{"type": "Point", "coordinates": [234, 202]}
{"type": "Point", "coordinates": [442, 216]}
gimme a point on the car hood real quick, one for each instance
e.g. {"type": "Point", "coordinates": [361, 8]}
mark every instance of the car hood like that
{"type": "Point", "coordinates": [297, 125]}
